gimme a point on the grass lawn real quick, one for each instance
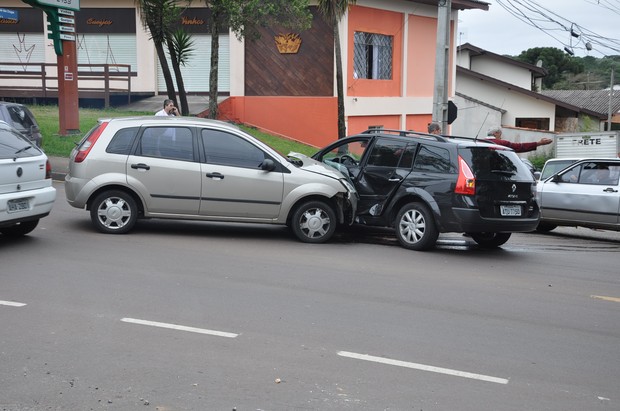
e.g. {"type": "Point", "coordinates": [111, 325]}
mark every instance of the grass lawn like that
{"type": "Point", "coordinates": [61, 146]}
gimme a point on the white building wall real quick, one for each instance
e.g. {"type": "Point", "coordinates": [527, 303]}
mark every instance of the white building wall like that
{"type": "Point", "coordinates": [505, 72]}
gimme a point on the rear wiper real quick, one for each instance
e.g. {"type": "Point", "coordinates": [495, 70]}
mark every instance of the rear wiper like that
{"type": "Point", "coordinates": [505, 172]}
{"type": "Point", "coordinates": [21, 150]}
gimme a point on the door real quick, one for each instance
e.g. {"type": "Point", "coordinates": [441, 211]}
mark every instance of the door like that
{"type": "Point", "coordinates": [233, 183]}
{"type": "Point", "coordinates": [164, 171]}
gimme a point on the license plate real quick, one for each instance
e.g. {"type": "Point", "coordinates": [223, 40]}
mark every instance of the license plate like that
{"type": "Point", "coordinates": [510, 210]}
{"type": "Point", "coordinates": [15, 206]}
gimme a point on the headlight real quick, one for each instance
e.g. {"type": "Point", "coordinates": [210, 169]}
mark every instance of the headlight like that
{"type": "Point", "coordinates": [347, 184]}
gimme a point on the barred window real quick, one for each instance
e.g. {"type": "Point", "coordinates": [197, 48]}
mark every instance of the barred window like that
{"type": "Point", "coordinates": [373, 56]}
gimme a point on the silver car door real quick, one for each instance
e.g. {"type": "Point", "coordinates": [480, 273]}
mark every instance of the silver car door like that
{"type": "Point", "coordinates": [233, 184]}
{"type": "Point", "coordinates": [164, 172]}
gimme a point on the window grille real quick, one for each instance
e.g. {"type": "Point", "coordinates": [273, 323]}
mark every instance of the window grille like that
{"type": "Point", "coordinates": [372, 56]}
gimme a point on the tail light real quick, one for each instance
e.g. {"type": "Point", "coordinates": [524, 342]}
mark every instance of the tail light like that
{"type": "Point", "coordinates": [466, 182]}
{"type": "Point", "coordinates": [87, 145]}
{"type": "Point", "coordinates": [48, 169]}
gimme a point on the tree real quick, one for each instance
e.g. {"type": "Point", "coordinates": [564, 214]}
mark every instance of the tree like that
{"type": "Point", "coordinates": [161, 18]}
{"type": "Point", "coordinates": [244, 18]}
{"type": "Point", "coordinates": [554, 60]}
{"type": "Point", "coordinates": [333, 10]}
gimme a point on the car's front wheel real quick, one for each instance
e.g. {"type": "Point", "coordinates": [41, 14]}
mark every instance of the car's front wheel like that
{"type": "Point", "coordinates": [114, 212]}
{"type": "Point", "coordinates": [415, 227]}
{"type": "Point", "coordinates": [20, 229]}
{"type": "Point", "coordinates": [314, 222]}
{"type": "Point", "coordinates": [490, 240]}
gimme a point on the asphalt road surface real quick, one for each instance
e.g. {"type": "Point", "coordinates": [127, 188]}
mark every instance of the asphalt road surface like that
{"type": "Point", "coordinates": [203, 316]}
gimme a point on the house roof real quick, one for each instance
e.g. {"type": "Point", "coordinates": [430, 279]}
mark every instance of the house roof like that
{"type": "Point", "coordinates": [595, 100]}
{"type": "Point", "coordinates": [459, 4]}
{"type": "Point", "coordinates": [539, 96]}
{"type": "Point", "coordinates": [477, 51]}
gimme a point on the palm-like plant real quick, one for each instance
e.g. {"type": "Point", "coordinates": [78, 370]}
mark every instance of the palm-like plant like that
{"type": "Point", "coordinates": [332, 11]}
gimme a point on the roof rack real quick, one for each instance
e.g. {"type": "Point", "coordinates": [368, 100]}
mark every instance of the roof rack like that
{"type": "Point", "coordinates": [406, 133]}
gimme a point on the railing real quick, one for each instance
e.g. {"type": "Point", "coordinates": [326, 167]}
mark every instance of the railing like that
{"type": "Point", "coordinates": [41, 80]}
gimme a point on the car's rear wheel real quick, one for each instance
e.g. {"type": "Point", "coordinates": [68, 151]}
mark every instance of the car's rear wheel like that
{"type": "Point", "coordinates": [415, 227]}
{"type": "Point", "coordinates": [490, 240]}
{"type": "Point", "coordinates": [545, 227]}
{"type": "Point", "coordinates": [20, 229]}
{"type": "Point", "coordinates": [114, 212]}
{"type": "Point", "coordinates": [314, 222]}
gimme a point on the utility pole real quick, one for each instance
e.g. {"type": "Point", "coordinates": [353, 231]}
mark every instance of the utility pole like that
{"type": "Point", "coordinates": [440, 95]}
{"type": "Point", "coordinates": [611, 93]}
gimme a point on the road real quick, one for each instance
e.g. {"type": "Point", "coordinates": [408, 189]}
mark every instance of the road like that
{"type": "Point", "coordinates": [202, 316]}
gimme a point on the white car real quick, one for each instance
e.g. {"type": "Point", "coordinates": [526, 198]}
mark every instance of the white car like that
{"type": "Point", "coordinates": [26, 192]}
{"type": "Point", "coordinates": [584, 193]}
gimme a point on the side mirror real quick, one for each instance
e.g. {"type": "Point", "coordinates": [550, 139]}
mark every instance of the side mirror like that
{"type": "Point", "coordinates": [537, 175]}
{"type": "Point", "coordinates": [268, 165]}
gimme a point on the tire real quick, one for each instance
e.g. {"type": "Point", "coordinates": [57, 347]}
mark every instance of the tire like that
{"type": "Point", "coordinates": [114, 212]}
{"type": "Point", "coordinates": [490, 240]}
{"type": "Point", "coordinates": [20, 229]}
{"type": "Point", "coordinates": [545, 227]}
{"type": "Point", "coordinates": [415, 227]}
{"type": "Point", "coordinates": [314, 222]}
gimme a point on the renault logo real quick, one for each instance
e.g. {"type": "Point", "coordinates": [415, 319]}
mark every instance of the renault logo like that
{"type": "Point", "coordinates": [514, 188]}
{"type": "Point", "coordinates": [19, 171]}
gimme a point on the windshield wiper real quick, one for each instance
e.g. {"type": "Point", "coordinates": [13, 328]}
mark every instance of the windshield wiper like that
{"type": "Point", "coordinates": [504, 172]}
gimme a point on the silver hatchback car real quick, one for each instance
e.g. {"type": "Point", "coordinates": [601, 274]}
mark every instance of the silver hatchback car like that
{"type": "Point", "coordinates": [198, 169]}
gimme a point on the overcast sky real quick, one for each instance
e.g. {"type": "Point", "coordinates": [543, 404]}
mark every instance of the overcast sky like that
{"type": "Point", "coordinates": [499, 31]}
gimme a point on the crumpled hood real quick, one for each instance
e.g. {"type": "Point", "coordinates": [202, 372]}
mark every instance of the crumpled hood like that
{"type": "Point", "coordinates": [309, 164]}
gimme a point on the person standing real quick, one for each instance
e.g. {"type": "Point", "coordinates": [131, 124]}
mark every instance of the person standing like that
{"type": "Point", "coordinates": [494, 135]}
{"type": "Point", "coordinates": [168, 110]}
{"type": "Point", "coordinates": [434, 128]}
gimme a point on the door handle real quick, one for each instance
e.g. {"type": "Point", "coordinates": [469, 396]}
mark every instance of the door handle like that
{"type": "Point", "coordinates": [218, 176]}
{"type": "Point", "coordinates": [610, 190]}
{"type": "Point", "coordinates": [140, 166]}
{"type": "Point", "coordinates": [394, 179]}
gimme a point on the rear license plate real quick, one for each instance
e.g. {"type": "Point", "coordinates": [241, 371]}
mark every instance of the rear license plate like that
{"type": "Point", "coordinates": [510, 210]}
{"type": "Point", "coordinates": [15, 206]}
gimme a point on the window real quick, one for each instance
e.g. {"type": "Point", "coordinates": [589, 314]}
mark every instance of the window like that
{"type": "Point", "coordinates": [122, 141]}
{"type": "Point", "coordinates": [387, 153]}
{"type": "Point", "coordinates": [434, 160]}
{"type": "Point", "coordinates": [173, 143]}
{"type": "Point", "coordinates": [230, 150]}
{"type": "Point", "coordinates": [372, 56]}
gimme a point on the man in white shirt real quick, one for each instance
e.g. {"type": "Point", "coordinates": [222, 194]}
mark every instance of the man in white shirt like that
{"type": "Point", "coordinates": [168, 110]}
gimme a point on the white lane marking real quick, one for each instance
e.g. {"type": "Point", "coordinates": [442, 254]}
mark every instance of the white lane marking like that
{"type": "Point", "coordinates": [12, 303]}
{"type": "Point", "coordinates": [180, 327]}
{"type": "Point", "coordinates": [423, 367]}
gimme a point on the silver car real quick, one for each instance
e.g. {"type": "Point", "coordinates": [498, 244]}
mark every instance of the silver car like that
{"type": "Point", "coordinates": [583, 193]}
{"type": "Point", "coordinates": [198, 169]}
{"type": "Point", "coordinates": [26, 192]}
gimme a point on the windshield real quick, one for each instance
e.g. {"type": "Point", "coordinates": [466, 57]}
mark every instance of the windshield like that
{"type": "Point", "coordinates": [14, 145]}
{"type": "Point", "coordinates": [495, 164]}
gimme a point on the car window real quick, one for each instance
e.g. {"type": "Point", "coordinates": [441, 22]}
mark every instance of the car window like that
{"type": "Point", "coordinates": [434, 159]}
{"type": "Point", "coordinates": [230, 150]}
{"type": "Point", "coordinates": [20, 117]}
{"type": "Point", "coordinates": [552, 167]}
{"type": "Point", "coordinates": [386, 152]}
{"type": "Point", "coordinates": [599, 173]}
{"type": "Point", "coordinates": [495, 164]}
{"type": "Point", "coordinates": [173, 143]}
{"type": "Point", "coordinates": [122, 141]}
{"type": "Point", "coordinates": [354, 149]}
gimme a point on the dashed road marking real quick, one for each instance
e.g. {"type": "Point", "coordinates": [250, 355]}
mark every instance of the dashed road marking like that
{"type": "Point", "coordinates": [423, 367]}
{"type": "Point", "coordinates": [602, 297]}
{"type": "Point", "coordinates": [180, 327]}
{"type": "Point", "coordinates": [12, 303]}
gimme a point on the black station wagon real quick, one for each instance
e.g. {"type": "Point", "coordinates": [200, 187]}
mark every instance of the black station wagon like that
{"type": "Point", "coordinates": [422, 185]}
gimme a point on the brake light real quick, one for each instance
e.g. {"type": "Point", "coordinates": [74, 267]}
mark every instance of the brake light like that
{"type": "Point", "coordinates": [466, 182]}
{"type": "Point", "coordinates": [87, 145]}
{"type": "Point", "coordinates": [48, 169]}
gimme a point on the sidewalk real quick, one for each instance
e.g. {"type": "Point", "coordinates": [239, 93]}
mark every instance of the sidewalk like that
{"type": "Point", "coordinates": [60, 167]}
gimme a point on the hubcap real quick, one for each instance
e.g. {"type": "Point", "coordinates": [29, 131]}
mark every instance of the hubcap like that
{"type": "Point", "coordinates": [114, 213]}
{"type": "Point", "coordinates": [314, 223]}
{"type": "Point", "coordinates": [412, 226]}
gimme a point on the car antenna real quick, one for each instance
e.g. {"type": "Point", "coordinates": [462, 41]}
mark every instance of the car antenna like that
{"type": "Point", "coordinates": [481, 125]}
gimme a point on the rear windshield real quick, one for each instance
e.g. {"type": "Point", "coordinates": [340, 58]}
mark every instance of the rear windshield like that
{"type": "Point", "coordinates": [14, 145]}
{"type": "Point", "coordinates": [495, 164]}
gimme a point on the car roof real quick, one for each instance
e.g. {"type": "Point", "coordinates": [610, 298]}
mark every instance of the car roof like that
{"type": "Point", "coordinates": [408, 134]}
{"type": "Point", "coordinates": [152, 120]}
